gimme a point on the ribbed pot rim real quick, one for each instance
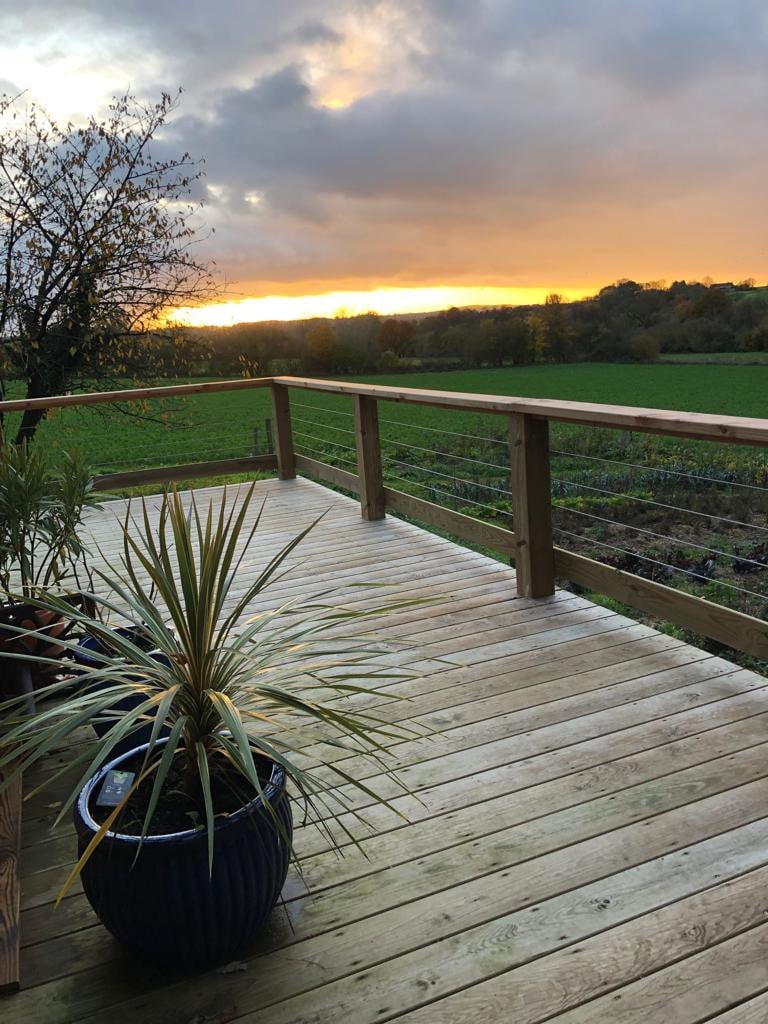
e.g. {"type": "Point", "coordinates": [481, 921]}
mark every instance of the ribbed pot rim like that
{"type": "Point", "coordinates": [272, 791]}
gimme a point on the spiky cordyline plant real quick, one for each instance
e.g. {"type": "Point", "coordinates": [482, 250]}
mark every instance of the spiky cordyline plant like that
{"type": "Point", "coordinates": [228, 681]}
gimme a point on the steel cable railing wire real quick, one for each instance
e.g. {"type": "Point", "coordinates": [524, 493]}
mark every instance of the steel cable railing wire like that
{"type": "Point", "coordinates": [322, 454]}
{"type": "Point", "coordinates": [431, 488]}
{"type": "Point", "coordinates": [656, 561]}
{"type": "Point", "coordinates": [325, 426]}
{"type": "Point", "coordinates": [459, 499]}
{"type": "Point", "coordinates": [154, 461]}
{"type": "Point", "coordinates": [447, 455]}
{"type": "Point", "coordinates": [507, 493]}
{"type": "Point", "coordinates": [324, 440]}
{"type": "Point", "coordinates": [664, 505]}
{"type": "Point", "coordinates": [447, 476]}
{"type": "Point", "coordinates": [416, 483]}
{"type": "Point", "coordinates": [660, 469]}
{"type": "Point", "coordinates": [438, 430]}
{"type": "Point", "coordinates": [312, 453]}
{"type": "Point", "coordinates": [320, 408]}
{"type": "Point", "coordinates": [661, 536]}
{"type": "Point", "coordinates": [585, 540]}
{"type": "Point", "coordinates": [611, 522]}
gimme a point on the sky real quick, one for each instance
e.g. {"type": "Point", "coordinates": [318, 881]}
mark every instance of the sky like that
{"type": "Point", "coordinates": [404, 156]}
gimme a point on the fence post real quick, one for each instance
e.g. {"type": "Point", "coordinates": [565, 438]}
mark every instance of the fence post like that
{"type": "Point", "coordinates": [281, 416]}
{"type": "Point", "coordinates": [369, 458]}
{"type": "Point", "coordinates": [532, 505]}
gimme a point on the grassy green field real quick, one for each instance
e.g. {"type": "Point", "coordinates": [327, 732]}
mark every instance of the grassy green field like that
{"type": "Point", "coordinates": [221, 425]}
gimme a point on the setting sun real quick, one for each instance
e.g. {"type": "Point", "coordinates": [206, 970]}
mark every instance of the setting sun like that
{"type": "Point", "coordinates": [385, 301]}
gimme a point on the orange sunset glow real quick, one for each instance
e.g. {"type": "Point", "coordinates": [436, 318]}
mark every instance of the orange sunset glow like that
{"type": "Point", "coordinates": [384, 301]}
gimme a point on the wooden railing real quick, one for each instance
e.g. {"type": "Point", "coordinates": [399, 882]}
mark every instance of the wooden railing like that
{"type": "Point", "coordinates": [538, 561]}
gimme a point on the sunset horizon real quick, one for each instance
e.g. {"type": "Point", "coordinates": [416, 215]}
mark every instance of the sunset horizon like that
{"type": "Point", "coordinates": [384, 301]}
{"type": "Point", "coordinates": [387, 301]}
{"type": "Point", "coordinates": [367, 156]}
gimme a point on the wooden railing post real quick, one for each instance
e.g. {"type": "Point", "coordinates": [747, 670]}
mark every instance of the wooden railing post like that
{"type": "Point", "coordinates": [281, 415]}
{"type": "Point", "coordinates": [369, 458]}
{"type": "Point", "coordinates": [532, 505]}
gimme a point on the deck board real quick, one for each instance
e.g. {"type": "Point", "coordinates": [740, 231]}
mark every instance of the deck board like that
{"type": "Point", "coordinates": [588, 839]}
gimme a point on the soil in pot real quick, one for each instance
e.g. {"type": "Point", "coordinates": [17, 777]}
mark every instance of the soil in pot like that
{"type": "Point", "coordinates": [163, 904]}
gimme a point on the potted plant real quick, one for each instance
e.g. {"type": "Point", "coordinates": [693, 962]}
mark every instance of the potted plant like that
{"type": "Point", "coordinates": [185, 841]}
{"type": "Point", "coordinates": [41, 550]}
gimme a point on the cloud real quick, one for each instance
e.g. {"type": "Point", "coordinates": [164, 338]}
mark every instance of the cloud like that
{"type": "Point", "coordinates": [385, 141]}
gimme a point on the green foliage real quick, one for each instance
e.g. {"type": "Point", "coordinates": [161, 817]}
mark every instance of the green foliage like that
{"type": "Point", "coordinates": [645, 348]}
{"type": "Point", "coordinates": [41, 512]}
{"type": "Point", "coordinates": [96, 244]}
{"type": "Point", "coordinates": [230, 679]}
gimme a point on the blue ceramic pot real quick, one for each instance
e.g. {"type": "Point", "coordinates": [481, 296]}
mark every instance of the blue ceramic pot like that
{"type": "Point", "coordinates": [163, 905]}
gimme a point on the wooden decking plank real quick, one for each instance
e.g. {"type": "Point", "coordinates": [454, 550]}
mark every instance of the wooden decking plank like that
{"type": "Point", "coordinates": [41, 887]}
{"type": "Point", "coordinates": [10, 838]}
{"type": "Point", "coordinates": [553, 795]}
{"type": "Point", "coordinates": [59, 850]}
{"type": "Point", "coordinates": [476, 698]}
{"type": "Point", "coordinates": [318, 976]}
{"type": "Point", "coordinates": [753, 1011]}
{"type": "Point", "coordinates": [455, 688]}
{"type": "Point", "coordinates": [505, 747]}
{"type": "Point", "coordinates": [576, 974]}
{"type": "Point", "coordinates": [351, 901]}
{"type": "Point", "coordinates": [388, 990]}
{"type": "Point", "coordinates": [655, 697]}
{"type": "Point", "coordinates": [544, 831]}
{"type": "Point", "coordinates": [573, 753]}
{"type": "Point", "coordinates": [592, 652]}
{"type": "Point", "coordinates": [691, 992]}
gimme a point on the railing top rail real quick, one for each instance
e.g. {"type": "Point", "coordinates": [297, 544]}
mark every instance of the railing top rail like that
{"type": "Point", "coordinates": [132, 394]}
{"type": "Point", "coordinates": [700, 426]}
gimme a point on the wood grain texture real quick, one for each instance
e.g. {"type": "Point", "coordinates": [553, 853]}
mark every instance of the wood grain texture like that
{"type": "Point", "coordinates": [10, 840]}
{"type": "Point", "coordinates": [736, 629]}
{"type": "Point", "coordinates": [188, 471]}
{"type": "Point", "coordinates": [281, 413]}
{"type": "Point", "coordinates": [134, 394]}
{"type": "Point", "coordinates": [370, 480]}
{"type": "Point", "coordinates": [531, 505]}
{"type": "Point", "coordinates": [700, 426]}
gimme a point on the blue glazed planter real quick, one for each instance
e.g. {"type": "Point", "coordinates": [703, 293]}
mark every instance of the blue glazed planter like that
{"type": "Point", "coordinates": [163, 905]}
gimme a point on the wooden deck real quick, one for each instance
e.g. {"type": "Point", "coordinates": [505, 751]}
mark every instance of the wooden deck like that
{"type": "Point", "coordinates": [590, 841]}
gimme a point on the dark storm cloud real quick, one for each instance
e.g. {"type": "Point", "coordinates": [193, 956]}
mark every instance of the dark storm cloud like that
{"type": "Point", "coordinates": [381, 140]}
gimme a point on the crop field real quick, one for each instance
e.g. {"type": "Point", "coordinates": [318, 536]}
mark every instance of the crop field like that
{"type": "Point", "coordinates": [718, 358]}
{"type": "Point", "coordinates": [221, 425]}
{"type": "Point", "coordinates": [690, 514]}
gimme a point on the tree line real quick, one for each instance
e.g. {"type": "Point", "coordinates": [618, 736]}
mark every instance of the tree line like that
{"type": "Point", "coordinates": [625, 322]}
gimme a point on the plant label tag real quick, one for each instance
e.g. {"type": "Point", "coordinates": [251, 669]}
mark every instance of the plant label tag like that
{"type": "Point", "coordinates": [116, 785]}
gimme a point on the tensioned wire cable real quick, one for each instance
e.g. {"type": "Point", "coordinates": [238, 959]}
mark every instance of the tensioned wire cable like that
{"type": "Point", "coordinates": [656, 561]}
